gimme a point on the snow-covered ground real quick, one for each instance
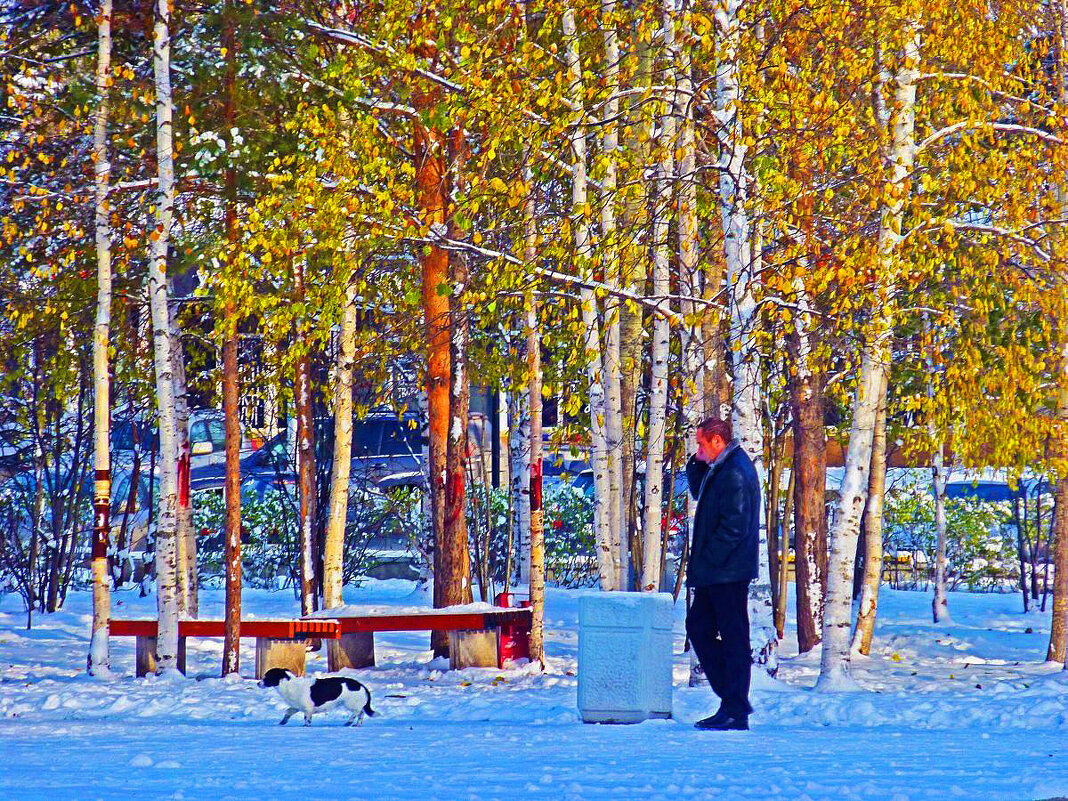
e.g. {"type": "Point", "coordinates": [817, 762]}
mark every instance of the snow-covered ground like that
{"type": "Point", "coordinates": [966, 710]}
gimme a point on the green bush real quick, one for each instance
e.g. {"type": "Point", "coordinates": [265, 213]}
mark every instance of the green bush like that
{"type": "Point", "coordinates": [980, 544]}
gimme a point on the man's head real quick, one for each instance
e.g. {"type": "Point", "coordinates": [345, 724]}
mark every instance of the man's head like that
{"type": "Point", "coordinates": [713, 435]}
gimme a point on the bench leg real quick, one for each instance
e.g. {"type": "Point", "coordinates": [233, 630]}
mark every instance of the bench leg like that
{"type": "Point", "coordinates": [289, 654]}
{"type": "Point", "coordinates": [147, 662]}
{"type": "Point", "coordinates": [352, 651]}
{"type": "Point", "coordinates": [472, 648]}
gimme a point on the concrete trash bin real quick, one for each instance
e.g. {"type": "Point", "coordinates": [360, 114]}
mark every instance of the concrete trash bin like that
{"type": "Point", "coordinates": [624, 665]}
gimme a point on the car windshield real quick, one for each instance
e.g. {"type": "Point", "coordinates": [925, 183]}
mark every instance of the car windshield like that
{"type": "Point", "coordinates": [398, 438]}
{"type": "Point", "coordinates": [366, 435]}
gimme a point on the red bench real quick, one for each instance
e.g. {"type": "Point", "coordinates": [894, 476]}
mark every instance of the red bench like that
{"type": "Point", "coordinates": [477, 638]}
{"type": "Point", "coordinates": [279, 643]}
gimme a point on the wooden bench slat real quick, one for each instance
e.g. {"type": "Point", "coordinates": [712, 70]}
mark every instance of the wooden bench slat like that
{"type": "Point", "coordinates": [271, 629]}
{"type": "Point", "coordinates": [435, 622]}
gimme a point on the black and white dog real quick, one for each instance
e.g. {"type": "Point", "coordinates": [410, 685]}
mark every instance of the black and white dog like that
{"type": "Point", "coordinates": [312, 696]}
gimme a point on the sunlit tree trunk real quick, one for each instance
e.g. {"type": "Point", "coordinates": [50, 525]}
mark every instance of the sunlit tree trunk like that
{"type": "Point", "coordinates": [232, 531]}
{"type": "Point", "coordinates": [429, 157]}
{"type": "Point", "coordinates": [167, 565]}
{"type": "Point", "coordinates": [98, 648]}
{"type": "Point", "coordinates": [610, 250]}
{"type": "Point", "coordinates": [656, 431]}
{"type": "Point", "coordinates": [1058, 640]}
{"type": "Point", "coordinates": [606, 563]}
{"type": "Point", "coordinates": [871, 382]}
{"type": "Point", "coordinates": [456, 556]}
{"type": "Point", "coordinates": [305, 448]}
{"type": "Point", "coordinates": [868, 606]}
{"type": "Point", "coordinates": [534, 384]}
{"type": "Point", "coordinates": [742, 276]}
{"type": "Point", "coordinates": [810, 480]}
{"type": "Point", "coordinates": [334, 541]}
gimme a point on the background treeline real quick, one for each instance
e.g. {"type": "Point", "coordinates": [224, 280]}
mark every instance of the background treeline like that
{"type": "Point", "coordinates": [824, 220]}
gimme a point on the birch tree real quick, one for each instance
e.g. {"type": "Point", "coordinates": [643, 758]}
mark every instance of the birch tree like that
{"type": "Point", "coordinates": [656, 436]}
{"type": "Point", "coordinates": [98, 649]}
{"type": "Point", "coordinates": [334, 540]}
{"type": "Point", "coordinates": [167, 564]}
{"type": "Point", "coordinates": [734, 188]}
{"type": "Point", "coordinates": [594, 360]}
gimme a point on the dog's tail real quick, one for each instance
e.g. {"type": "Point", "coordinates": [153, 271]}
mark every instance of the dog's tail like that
{"type": "Point", "coordinates": [355, 686]}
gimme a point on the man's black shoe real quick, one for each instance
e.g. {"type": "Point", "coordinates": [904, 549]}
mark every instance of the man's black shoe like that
{"type": "Point", "coordinates": [721, 721]}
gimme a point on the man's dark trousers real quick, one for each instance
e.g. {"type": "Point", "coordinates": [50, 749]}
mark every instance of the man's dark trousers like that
{"type": "Point", "coordinates": [718, 626]}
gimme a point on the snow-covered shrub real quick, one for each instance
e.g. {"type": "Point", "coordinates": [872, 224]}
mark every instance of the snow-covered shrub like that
{"type": "Point", "coordinates": [979, 540]}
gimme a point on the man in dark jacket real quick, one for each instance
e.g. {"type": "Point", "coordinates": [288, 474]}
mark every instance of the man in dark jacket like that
{"type": "Point", "coordinates": [723, 560]}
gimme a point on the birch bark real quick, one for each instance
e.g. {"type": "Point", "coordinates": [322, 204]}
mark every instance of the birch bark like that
{"type": "Point", "coordinates": [306, 488]}
{"type": "Point", "coordinates": [873, 542]}
{"type": "Point", "coordinates": [606, 563]}
{"type": "Point", "coordinates": [610, 252]}
{"type": "Point", "coordinates": [871, 382]}
{"type": "Point", "coordinates": [656, 431]}
{"type": "Point", "coordinates": [98, 648]}
{"type": "Point", "coordinates": [334, 540]}
{"type": "Point", "coordinates": [534, 383]}
{"type": "Point", "coordinates": [742, 279]}
{"type": "Point", "coordinates": [166, 526]}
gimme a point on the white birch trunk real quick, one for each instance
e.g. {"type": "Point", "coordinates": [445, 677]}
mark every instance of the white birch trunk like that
{"type": "Point", "coordinates": [741, 280]}
{"type": "Point", "coordinates": [871, 383]}
{"type": "Point", "coordinates": [610, 248]}
{"type": "Point", "coordinates": [940, 477]}
{"type": "Point", "coordinates": [656, 432]}
{"type": "Point", "coordinates": [690, 330]}
{"type": "Point", "coordinates": [607, 564]}
{"type": "Point", "coordinates": [166, 526]}
{"type": "Point", "coordinates": [185, 536]}
{"type": "Point", "coordinates": [334, 544]}
{"type": "Point", "coordinates": [98, 649]}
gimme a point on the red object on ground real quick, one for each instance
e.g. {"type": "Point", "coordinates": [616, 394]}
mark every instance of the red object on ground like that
{"type": "Point", "coordinates": [514, 640]}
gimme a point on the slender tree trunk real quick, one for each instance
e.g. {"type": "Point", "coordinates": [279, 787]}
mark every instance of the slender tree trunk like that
{"type": "Point", "coordinates": [656, 431]}
{"type": "Point", "coordinates": [940, 477]}
{"type": "Point", "coordinates": [810, 471]}
{"type": "Point", "coordinates": [334, 545]}
{"type": "Point", "coordinates": [1058, 639]}
{"type": "Point", "coordinates": [610, 249]}
{"type": "Point", "coordinates": [98, 649]}
{"type": "Point", "coordinates": [734, 185]}
{"type": "Point", "coordinates": [689, 270]}
{"type": "Point", "coordinates": [166, 526]}
{"type": "Point", "coordinates": [606, 562]}
{"type": "Point", "coordinates": [429, 155]}
{"type": "Point", "coordinates": [871, 383]}
{"type": "Point", "coordinates": [232, 549]}
{"type": "Point", "coordinates": [534, 382]}
{"type": "Point", "coordinates": [186, 540]}
{"type": "Point", "coordinates": [306, 484]}
{"type": "Point", "coordinates": [456, 555]}
{"type": "Point", "coordinates": [784, 557]}
{"type": "Point", "coordinates": [868, 606]}
{"type": "Point", "coordinates": [639, 135]}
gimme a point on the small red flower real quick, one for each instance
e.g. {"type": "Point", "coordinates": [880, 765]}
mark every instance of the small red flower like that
{"type": "Point", "coordinates": [557, 524]}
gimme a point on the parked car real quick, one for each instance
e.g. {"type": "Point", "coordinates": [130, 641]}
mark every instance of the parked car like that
{"type": "Point", "coordinates": [207, 436]}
